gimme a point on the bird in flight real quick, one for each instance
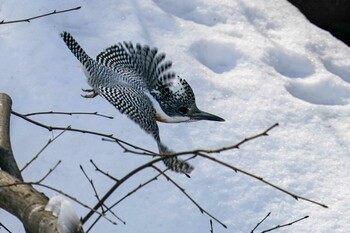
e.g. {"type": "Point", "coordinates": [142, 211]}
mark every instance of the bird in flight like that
{"type": "Point", "coordinates": [140, 83]}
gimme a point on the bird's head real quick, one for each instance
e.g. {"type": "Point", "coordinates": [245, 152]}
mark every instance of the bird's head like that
{"type": "Point", "coordinates": [177, 101]}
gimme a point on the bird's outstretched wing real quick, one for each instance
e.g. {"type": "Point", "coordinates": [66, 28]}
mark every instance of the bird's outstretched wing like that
{"type": "Point", "coordinates": [135, 104]}
{"type": "Point", "coordinates": [146, 62]}
{"type": "Point", "coordinates": [138, 107]}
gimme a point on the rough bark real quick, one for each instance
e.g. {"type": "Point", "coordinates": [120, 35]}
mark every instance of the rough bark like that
{"type": "Point", "coordinates": [26, 204]}
{"type": "Point", "coordinates": [7, 160]}
{"type": "Point", "coordinates": [21, 200]}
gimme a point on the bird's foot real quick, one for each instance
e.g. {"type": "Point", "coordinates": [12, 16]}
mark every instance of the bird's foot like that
{"type": "Point", "coordinates": [91, 93]}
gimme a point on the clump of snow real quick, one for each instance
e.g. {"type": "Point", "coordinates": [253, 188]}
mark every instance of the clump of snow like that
{"type": "Point", "coordinates": [68, 220]}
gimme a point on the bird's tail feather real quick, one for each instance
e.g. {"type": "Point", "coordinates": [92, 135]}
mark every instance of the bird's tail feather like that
{"type": "Point", "coordinates": [173, 163]}
{"type": "Point", "coordinates": [76, 49]}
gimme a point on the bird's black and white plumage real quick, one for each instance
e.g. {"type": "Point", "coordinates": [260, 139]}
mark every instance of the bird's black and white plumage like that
{"type": "Point", "coordinates": [139, 83]}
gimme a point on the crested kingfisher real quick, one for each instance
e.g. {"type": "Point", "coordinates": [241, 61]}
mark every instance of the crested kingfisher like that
{"type": "Point", "coordinates": [139, 82]}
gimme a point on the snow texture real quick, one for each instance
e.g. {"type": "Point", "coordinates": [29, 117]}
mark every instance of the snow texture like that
{"type": "Point", "coordinates": [250, 62]}
{"type": "Point", "coordinates": [68, 220]}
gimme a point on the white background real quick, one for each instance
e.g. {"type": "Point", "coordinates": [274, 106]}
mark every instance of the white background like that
{"type": "Point", "coordinates": [252, 62]}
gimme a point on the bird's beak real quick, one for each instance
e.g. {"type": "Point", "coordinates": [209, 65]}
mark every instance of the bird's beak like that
{"type": "Point", "coordinates": [200, 115]}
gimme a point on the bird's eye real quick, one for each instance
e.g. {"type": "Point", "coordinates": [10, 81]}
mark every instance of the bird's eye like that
{"type": "Point", "coordinates": [183, 110]}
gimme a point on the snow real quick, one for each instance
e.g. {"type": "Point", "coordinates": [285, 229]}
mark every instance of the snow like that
{"type": "Point", "coordinates": [68, 220]}
{"type": "Point", "coordinates": [250, 62]}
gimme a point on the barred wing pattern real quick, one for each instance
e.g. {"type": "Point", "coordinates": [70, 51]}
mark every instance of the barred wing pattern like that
{"type": "Point", "coordinates": [137, 106]}
{"type": "Point", "coordinates": [147, 63]}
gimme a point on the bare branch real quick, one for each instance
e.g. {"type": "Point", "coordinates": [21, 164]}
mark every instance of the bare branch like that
{"type": "Point", "coordinates": [201, 209]}
{"type": "Point", "coordinates": [49, 172]}
{"type": "Point", "coordinates": [226, 148]}
{"type": "Point", "coordinates": [91, 184]}
{"type": "Point", "coordinates": [51, 128]}
{"type": "Point", "coordinates": [296, 197]}
{"type": "Point", "coordinates": [103, 172]}
{"type": "Point", "coordinates": [125, 146]}
{"type": "Point", "coordinates": [39, 16]}
{"type": "Point", "coordinates": [211, 226]}
{"type": "Point", "coordinates": [259, 223]}
{"type": "Point", "coordinates": [67, 113]}
{"type": "Point", "coordinates": [284, 225]}
{"type": "Point", "coordinates": [237, 145]}
{"type": "Point", "coordinates": [97, 196]}
{"type": "Point", "coordinates": [42, 149]}
{"type": "Point", "coordinates": [117, 184]}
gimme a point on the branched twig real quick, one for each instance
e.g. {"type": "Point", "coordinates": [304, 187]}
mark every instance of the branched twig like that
{"type": "Point", "coordinates": [115, 187]}
{"type": "Point", "coordinates": [92, 185]}
{"type": "Point", "coordinates": [52, 128]}
{"type": "Point", "coordinates": [226, 148]}
{"type": "Point", "coordinates": [42, 149]}
{"type": "Point", "coordinates": [284, 225]}
{"type": "Point", "coordinates": [147, 152]}
{"type": "Point", "coordinates": [203, 211]}
{"type": "Point", "coordinates": [67, 113]}
{"type": "Point", "coordinates": [259, 223]}
{"type": "Point", "coordinates": [97, 196]}
{"type": "Point", "coordinates": [237, 145]}
{"type": "Point", "coordinates": [136, 188]}
{"type": "Point", "coordinates": [117, 184]}
{"type": "Point", "coordinates": [39, 16]}
{"type": "Point", "coordinates": [103, 172]}
{"type": "Point", "coordinates": [49, 172]}
{"type": "Point", "coordinates": [296, 197]}
{"type": "Point", "coordinates": [129, 193]}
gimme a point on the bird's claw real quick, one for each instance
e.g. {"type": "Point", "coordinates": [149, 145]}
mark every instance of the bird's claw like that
{"type": "Point", "coordinates": [91, 93]}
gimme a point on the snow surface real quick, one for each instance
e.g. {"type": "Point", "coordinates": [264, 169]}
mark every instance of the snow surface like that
{"type": "Point", "coordinates": [251, 62]}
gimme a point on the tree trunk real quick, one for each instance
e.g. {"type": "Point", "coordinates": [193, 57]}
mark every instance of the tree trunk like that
{"type": "Point", "coordinates": [16, 197]}
{"type": "Point", "coordinates": [26, 204]}
{"type": "Point", "coordinates": [7, 160]}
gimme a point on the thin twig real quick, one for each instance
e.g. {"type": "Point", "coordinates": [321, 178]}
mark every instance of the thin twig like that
{"type": "Point", "coordinates": [211, 226]}
{"type": "Point", "coordinates": [49, 172]}
{"type": "Point", "coordinates": [103, 172]}
{"type": "Point", "coordinates": [39, 16]}
{"type": "Point", "coordinates": [284, 225]}
{"type": "Point", "coordinates": [125, 196]}
{"type": "Point", "coordinates": [296, 197]}
{"type": "Point", "coordinates": [97, 196]}
{"type": "Point", "coordinates": [201, 209]}
{"type": "Point", "coordinates": [147, 152]}
{"type": "Point", "coordinates": [259, 223]}
{"type": "Point", "coordinates": [237, 145]}
{"type": "Point", "coordinates": [51, 128]}
{"type": "Point", "coordinates": [42, 149]}
{"type": "Point", "coordinates": [2, 225]}
{"type": "Point", "coordinates": [67, 113]}
{"type": "Point", "coordinates": [141, 186]}
{"type": "Point", "coordinates": [226, 148]}
{"type": "Point", "coordinates": [129, 193]}
{"type": "Point", "coordinates": [117, 184]}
